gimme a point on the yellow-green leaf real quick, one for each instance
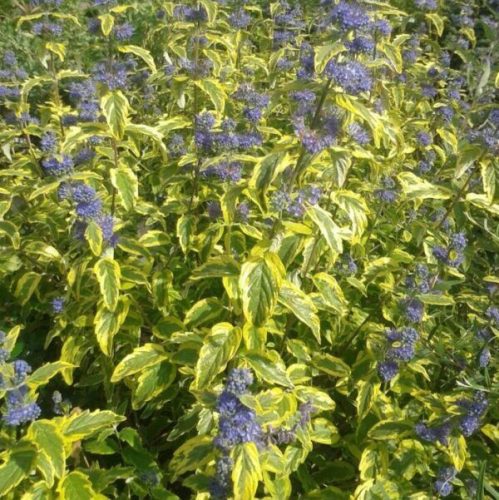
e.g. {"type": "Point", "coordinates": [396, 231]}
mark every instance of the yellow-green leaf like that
{"type": "Point", "coordinates": [107, 23]}
{"type": "Point", "coordinates": [107, 324]}
{"type": "Point", "coordinates": [457, 451]}
{"type": "Point", "coordinates": [108, 275]}
{"type": "Point", "coordinates": [56, 48]}
{"type": "Point", "coordinates": [77, 486]}
{"type": "Point", "coordinates": [125, 181]}
{"type": "Point", "coordinates": [215, 92]}
{"type": "Point", "coordinates": [50, 442]}
{"type": "Point", "coordinates": [259, 284]}
{"type": "Point", "coordinates": [86, 423]}
{"type": "Point", "coordinates": [26, 286]}
{"type": "Point", "coordinates": [115, 108]}
{"type": "Point", "coordinates": [142, 357]}
{"type": "Point", "coordinates": [144, 54]}
{"type": "Point", "coordinates": [16, 467]}
{"type": "Point", "coordinates": [328, 228]}
{"type": "Point", "coordinates": [93, 235]}
{"type": "Point", "coordinates": [246, 471]}
{"type": "Point", "coordinates": [193, 454]}
{"type": "Point", "coordinates": [219, 347]}
{"type": "Point", "coordinates": [416, 188]}
{"type": "Point", "coordinates": [301, 305]}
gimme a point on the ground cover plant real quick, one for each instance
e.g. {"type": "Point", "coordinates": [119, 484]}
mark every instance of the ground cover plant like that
{"type": "Point", "coordinates": [249, 249]}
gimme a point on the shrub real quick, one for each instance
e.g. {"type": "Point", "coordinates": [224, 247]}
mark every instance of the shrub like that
{"type": "Point", "coordinates": [248, 249]}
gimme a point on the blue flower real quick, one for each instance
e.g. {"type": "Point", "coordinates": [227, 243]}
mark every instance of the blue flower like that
{"type": "Point", "coordinates": [191, 14]}
{"type": "Point", "coordinates": [383, 27]}
{"type": "Point", "coordinates": [83, 193]}
{"type": "Point", "coordinates": [89, 209]}
{"type": "Point", "coordinates": [58, 167]}
{"type": "Point", "coordinates": [492, 314]}
{"type": "Point", "coordinates": [439, 433]}
{"type": "Point", "coordinates": [84, 155]}
{"type": "Point", "coordinates": [22, 414]}
{"type": "Point", "coordinates": [176, 146]}
{"type": "Point", "coordinates": [443, 484]}
{"type": "Point", "coordinates": [426, 4]}
{"type": "Point", "coordinates": [307, 61]}
{"type": "Point", "coordinates": [238, 381]}
{"type": "Point", "coordinates": [214, 209]}
{"type": "Point", "coordinates": [123, 31]}
{"type": "Point", "coordinates": [484, 357]}
{"type": "Point", "coordinates": [414, 309]}
{"type": "Point", "coordinates": [424, 138]}
{"type": "Point", "coordinates": [222, 483]}
{"type": "Point", "coordinates": [360, 45]}
{"type": "Point", "coordinates": [9, 58]}
{"type": "Point", "coordinates": [359, 134]}
{"type": "Point", "coordinates": [47, 28]}
{"type": "Point", "coordinates": [21, 369]}
{"type": "Point", "coordinates": [48, 142]}
{"type": "Point", "coordinates": [388, 369]}
{"type": "Point", "coordinates": [239, 19]}
{"type": "Point", "coordinates": [350, 16]}
{"type": "Point", "coordinates": [58, 305]}
{"type": "Point", "coordinates": [352, 76]}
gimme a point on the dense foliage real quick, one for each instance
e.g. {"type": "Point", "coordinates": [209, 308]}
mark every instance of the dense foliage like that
{"type": "Point", "coordinates": [249, 249]}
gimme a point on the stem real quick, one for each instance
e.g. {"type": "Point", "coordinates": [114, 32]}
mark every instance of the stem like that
{"type": "Point", "coordinates": [299, 163]}
{"type": "Point", "coordinates": [373, 224]}
{"type": "Point", "coordinates": [355, 333]}
{"type": "Point", "coordinates": [456, 199]}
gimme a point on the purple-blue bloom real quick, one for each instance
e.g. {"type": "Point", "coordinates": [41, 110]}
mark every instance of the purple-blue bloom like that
{"type": "Point", "coordinates": [352, 76]}
{"type": "Point", "coordinates": [349, 16]}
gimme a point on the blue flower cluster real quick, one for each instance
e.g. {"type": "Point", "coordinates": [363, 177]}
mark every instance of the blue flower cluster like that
{"type": "Point", "coordinates": [402, 348]}
{"type": "Point", "coordinates": [350, 16]}
{"type": "Point", "coordinates": [323, 134]}
{"type": "Point", "coordinates": [352, 76]}
{"type": "Point", "coordinates": [47, 29]}
{"type": "Point", "coordinates": [58, 305]}
{"type": "Point", "coordinates": [306, 70]}
{"type": "Point", "coordinates": [239, 19]}
{"type": "Point", "coordinates": [360, 45]}
{"type": "Point", "coordinates": [436, 433]}
{"type": "Point", "coordinates": [255, 102]}
{"type": "Point", "coordinates": [346, 265]}
{"type": "Point", "coordinates": [424, 138]}
{"type": "Point", "coordinates": [229, 171]}
{"type": "Point", "coordinates": [227, 139]}
{"type": "Point", "coordinates": [237, 424]}
{"type": "Point", "coordinates": [287, 21]}
{"type": "Point", "coordinates": [474, 411]}
{"type": "Point", "coordinates": [443, 484]}
{"type": "Point", "coordinates": [389, 193]}
{"type": "Point", "coordinates": [88, 207]}
{"type": "Point", "coordinates": [20, 407]}
{"type": "Point", "coordinates": [295, 205]}
{"type": "Point", "coordinates": [428, 5]}
{"type": "Point", "coordinates": [191, 14]}
{"type": "Point", "coordinates": [413, 309]}
{"type": "Point", "coordinates": [452, 255]}
{"type": "Point", "coordinates": [58, 165]}
{"type": "Point", "coordinates": [13, 76]}
{"type": "Point", "coordinates": [426, 164]}
{"type": "Point", "coordinates": [286, 436]}
{"type": "Point", "coordinates": [421, 281]}
{"type": "Point", "coordinates": [359, 134]}
{"type": "Point", "coordinates": [468, 422]}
